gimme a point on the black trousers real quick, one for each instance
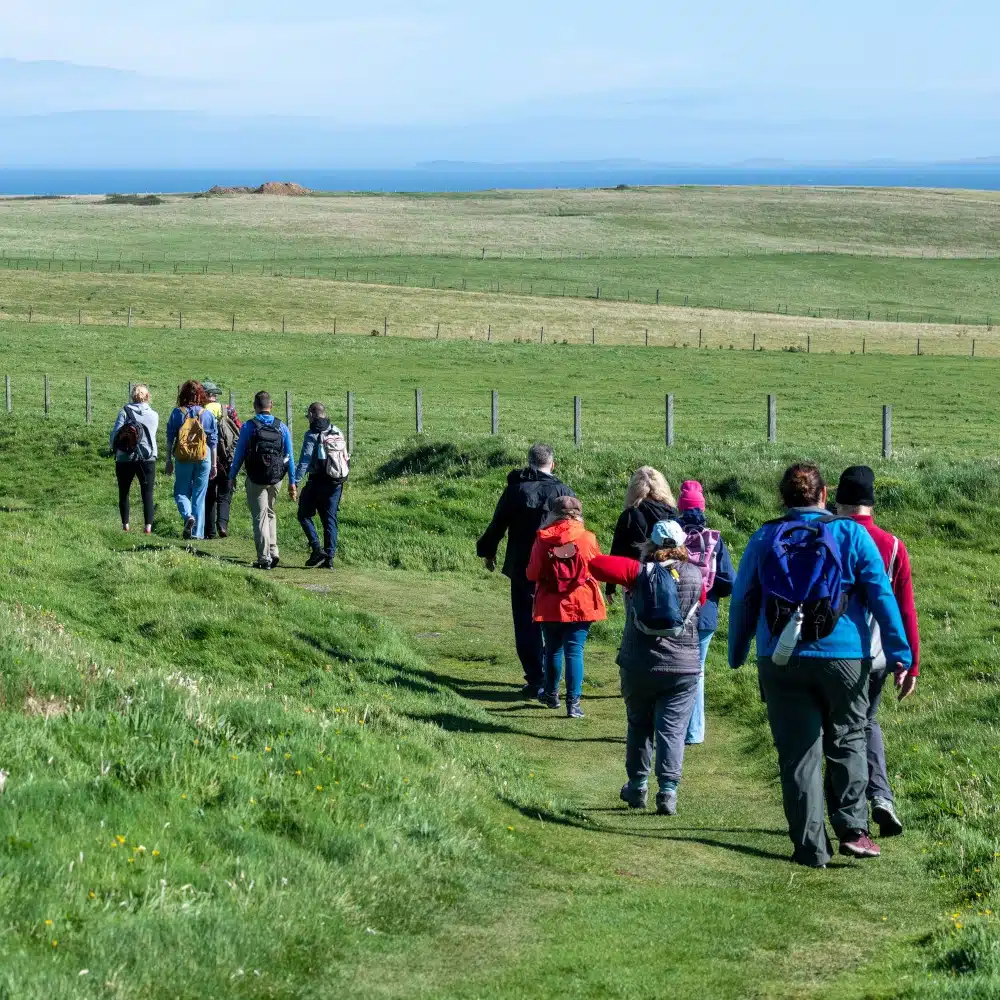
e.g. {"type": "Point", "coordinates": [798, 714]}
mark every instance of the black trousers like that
{"type": "Point", "coordinates": [145, 472]}
{"type": "Point", "coordinates": [217, 503]}
{"type": "Point", "coordinates": [527, 633]}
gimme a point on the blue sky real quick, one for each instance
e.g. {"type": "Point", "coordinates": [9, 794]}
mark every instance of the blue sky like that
{"type": "Point", "coordinates": [393, 82]}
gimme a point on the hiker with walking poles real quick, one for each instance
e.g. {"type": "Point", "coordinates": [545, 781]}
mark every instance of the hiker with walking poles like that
{"type": "Point", "coordinates": [518, 515]}
{"type": "Point", "coordinates": [325, 460]}
{"type": "Point", "coordinates": [567, 598]}
{"type": "Point", "coordinates": [659, 659]}
{"type": "Point", "coordinates": [805, 586]}
{"type": "Point", "coordinates": [192, 439]}
{"type": "Point", "coordinates": [265, 448]}
{"type": "Point", "coordinates": [133, 442]}
{"type": "Point", "coordinates": [855, 499]}
{"type": "Point", "coordinates": [218, 499]}
{"type": "Point", "coordinates": [707, 549]}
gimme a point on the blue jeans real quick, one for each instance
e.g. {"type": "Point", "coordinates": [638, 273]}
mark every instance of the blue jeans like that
{"type": "Point", "coordinates": [321, 495]}
{"type": "Point", "coordinates": [190, 487]}
{"type": "Point", "coordinates": [696, 727]}
{"type": "Point", "coordinates": [564, 640]}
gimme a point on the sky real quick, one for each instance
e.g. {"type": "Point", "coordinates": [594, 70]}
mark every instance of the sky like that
{"type": "Point", "coordinates": [394, 83]}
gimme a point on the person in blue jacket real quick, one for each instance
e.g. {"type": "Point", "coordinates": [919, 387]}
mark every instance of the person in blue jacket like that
{"type": "Point", "coordinates": [817, 703]}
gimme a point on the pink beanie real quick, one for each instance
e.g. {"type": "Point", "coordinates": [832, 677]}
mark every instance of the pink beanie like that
{"type": "Point", "coordinates": [691, 497]}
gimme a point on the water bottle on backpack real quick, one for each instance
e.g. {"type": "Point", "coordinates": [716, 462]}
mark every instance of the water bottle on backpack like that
{"type": "Point", "coordinates": [789, 638]}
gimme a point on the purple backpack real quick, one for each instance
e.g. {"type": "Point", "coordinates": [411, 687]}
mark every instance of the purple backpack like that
{"type": "Point", "coordinates": [703, 551]}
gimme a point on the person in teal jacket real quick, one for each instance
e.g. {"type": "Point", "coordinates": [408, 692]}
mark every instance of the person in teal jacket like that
{"type": "Point", "coordinates": [817, 703]}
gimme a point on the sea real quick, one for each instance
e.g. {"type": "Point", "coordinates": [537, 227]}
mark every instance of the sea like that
{"type": "Point", "coordinates": [476, 177]}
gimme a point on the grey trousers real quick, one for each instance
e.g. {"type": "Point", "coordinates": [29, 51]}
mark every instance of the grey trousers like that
{"type": "Point", "coordinates": [819, 708]}
{"type": "Point", "coordinates": [658, 707]}
{"type": "Point", "coordinates": [261, 500]}
{"type": "Point", "coordinates": [878, 778]}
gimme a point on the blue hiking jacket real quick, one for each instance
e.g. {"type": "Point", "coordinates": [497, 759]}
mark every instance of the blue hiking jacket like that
{"type": "Point", "coordinates": [243, 442]}
{"type": "Point", "coordinates": [865, 579]}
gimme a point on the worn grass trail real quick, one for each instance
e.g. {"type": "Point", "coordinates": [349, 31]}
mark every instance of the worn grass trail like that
{"type": "Point", "coordinates": [617, 904]}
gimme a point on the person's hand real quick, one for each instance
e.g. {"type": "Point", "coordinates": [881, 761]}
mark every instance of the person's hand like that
{"type": "Point", "coordinates": [213, 473]}
{"type": "Point", "coordinates": [906, 683]}
{"type": "Point", "coordinates": [169, 467]}
{"type": "Point", "coordinates": [491, 564]}
{"type": "Point", "coordinates": [293, 491]}
{"type": "Point", "coordinates": [612, 596]}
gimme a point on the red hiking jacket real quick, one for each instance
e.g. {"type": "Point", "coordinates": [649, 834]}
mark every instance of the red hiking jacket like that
{"type": "Point", "coordinates": [583, 604]}
{"type": "Point", "coordinates": [902, 582]}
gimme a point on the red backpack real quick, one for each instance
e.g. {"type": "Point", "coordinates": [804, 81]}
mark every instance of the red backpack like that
{"type": "Point", "coordinates": [565, 569]}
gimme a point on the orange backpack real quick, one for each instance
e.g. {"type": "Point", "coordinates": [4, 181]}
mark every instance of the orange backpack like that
{"type": "Point", "coordinates": [191, 444]}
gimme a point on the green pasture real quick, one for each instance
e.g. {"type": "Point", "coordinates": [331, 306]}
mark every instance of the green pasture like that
{"type": "Point", "coordinates": [306, 784]}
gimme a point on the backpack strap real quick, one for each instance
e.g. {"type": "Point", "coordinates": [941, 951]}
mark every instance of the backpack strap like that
{"type": "Point", "coordinates": [892, 559]}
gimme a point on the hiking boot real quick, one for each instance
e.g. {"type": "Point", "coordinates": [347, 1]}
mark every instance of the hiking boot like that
{"type": "Point", "coordinates": [533, 691]}
{"type": "Point", "coordinates": [550, 700]}
{"type": "Point", "coordinates": [316, 557]}
{"type": "Point", "coordinates": [189, 527]}
{"type": "Point", "coordinates": [261, 565]}
{"type": "Point", "coordinates": [573, 709]}
{"type": "Point", "coordinates": [884, 813]}
{"type": "Point", "coordinates": [857, 844]}
{"type": "Point", "coordinates": [274, 562]}
{"type": "Point", "coordinates": [326, 564]}
{"type": "Point", "coordinates": [634, 798]}
{"type": "Point", "coordinates": [666, 803]}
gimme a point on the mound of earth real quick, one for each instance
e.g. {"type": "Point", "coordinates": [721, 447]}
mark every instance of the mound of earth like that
{"type": "Point", "coordinates": [284, 188]}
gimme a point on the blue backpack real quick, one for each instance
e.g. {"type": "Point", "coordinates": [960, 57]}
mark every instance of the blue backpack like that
{"type": "Point", "coordinates": [656, 606]}
{"type": "Point", "coordinates": [802, 568]}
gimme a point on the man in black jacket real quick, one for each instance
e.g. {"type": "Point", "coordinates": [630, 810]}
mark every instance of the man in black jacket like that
{"type": "Point", "coordinates": [519, 514]}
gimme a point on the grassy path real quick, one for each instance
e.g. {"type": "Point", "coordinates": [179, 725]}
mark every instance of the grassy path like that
{"type": "Point", "coordinates": [608, 903]}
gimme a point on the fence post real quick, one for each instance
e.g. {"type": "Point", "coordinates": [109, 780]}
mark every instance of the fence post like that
{"type": "Point", "coordinates": [887, 432]}
{"type": "Point", "coordinates": [495, 412]}
{"type": "Point", "coordinates": [670, 420]}
{"type": "Point", "coordinates": [385, 327]}
{"type": "Point", "coordinates": [864, 344]}
{"type": "Point", "coordinates": [973, 346]}
{"type": "Point", "coordinates": [47, 398]}
{"type": "Point", "coordinates": [657, 296]}
{"type": "Point", "coordinates": [232, 398]}
{"type": "Point", "coordinates": [10, 404]}
{"type": "Point", "coordinates": [350, 423]}
{"type": "Point", "coordinates": [647, 336]}
{"type": "Point", "coordinates": [86, 392]}
{"type": "Point", "coordinates": [128, 322]}
{"type": "Point", "coordinates": [282, 324]}
{"type": "Point", "coordinates": [489, 334]}
{"type": "Point", "coordinates": [772, 419]}
{"type": "Point", "coordinates": [699, 337]}
{"type": "Point", "coordinates": [234, 324]}
{"type": "Point", "coordinates": [418, 399]}
{"type": "Point", "coordinates": [180, 320]}
{"type": "Point", "coordinates": [809, 341]}
{"type": "Point", "coordinates": [541, 336]}
{"type": "Point", "coordinates": [577, 423]}
{"type": "Point", "coordinates": [918, 347]}
{"type": "Point", "coordinates": [288, 412]}
{"type": "Point", "coordinates": [593, 335]}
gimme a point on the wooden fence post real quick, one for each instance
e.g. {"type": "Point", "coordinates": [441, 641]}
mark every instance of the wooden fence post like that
{"type": "Point", "coordinates": [593, 335]}
{"type": "Point", "coordinates": [541, 336]}
{"type": "Point", "coordinates": [47, 397]}
{"type": "Point", "coordinates": [418, 400]}
{"type": "Point", "coordinates": [670, 420]}
{"type": "Point", "coordinates": [350, 423]}
{"type": "Point", "coordinates": [180, 320]}
{"type": "Point", "coordinates": [772, 419]}
{"type": "Point", "coordinates": [489, 334]}
{"type": "Point", "coordinates": [385, 327]}
{"type": "Point", "coordinates": [10, 403]}
{"type": "Point", "coordinates": [577, 422]}
{"type": "Point", "coordinates": [232, 398]}
{"type": "Point", "coordinates": [973, 346]}
{"type": "Point", "coordinates": [288, 412]}
{"type": "Point", "coordinates": [699, 338]}
{"type": "Point", "coordinates": [86, 393]}
{"type": "Point", "coordinates": [809, 341]}
{"type": "Point", "coordinates": [495, 412]}
{"type": "Point", "coordinates": [647, 336]}
{"type": "Point", "coordinates": [128, 322]}
{"type": "Point", "coordinates": [887, 432]}
{"type": "Point", "coordinates": [234, 324]}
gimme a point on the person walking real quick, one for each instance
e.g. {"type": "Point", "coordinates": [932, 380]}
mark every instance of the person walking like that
{"type": "Point", "coordinates": [659, 659]}
{"type": "Point", "coordinates": [805, 585]}
{"type": "Point", "coordinates": [192, 439]}
{"type": "Point", "coordinates": [856, 500]}
{"type": "Point", "coordinates": [707, 550]}
{"type": "Point", "coordinates": [518, 515]}
{"type": "Point", "coordinates": [325, 460]}
{"type": "Point", "coordinates": [265, 447]}
{"type": "Point", "coordinates": [648, 500]}
{"type": "Point", "coordinates": [133, 441]}
{"type": "Point", "coordinates": [567, 598]}
{"type": "Point", "coordinates": [219, 496]}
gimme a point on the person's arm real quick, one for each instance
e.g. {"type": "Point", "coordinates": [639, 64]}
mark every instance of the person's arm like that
{"type": "Point", "coordinates": [173, 426]}
{"type": "Point", "coordinates": [489, 542]}
{"type": "Point", "coordinates": [535, 562]}
{"type": "Point", "coordinates": [725, 574]}
{"type": "Point", "coordinates": [745, 607]}
{"type": "Point", "coordinates": [119, 423]}
{"type": "Point", "coordinates": [309, 442]}
{"type": "Point", "coordinates": [871, 577]}
{"type": "Point", "coordinates": [212, 433]}
{"type": "Point", "coordinates": [289, 453]}
{"type": "Point", "coordinates": [619, 570]}
{"type": "Point", "coordinates": [240, 451]}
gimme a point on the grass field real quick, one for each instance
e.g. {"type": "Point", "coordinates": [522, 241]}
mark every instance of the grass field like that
{"type": "Point", "coordinates": [844, 265]}
{"type": "Point", "coordinates": [325, 783]}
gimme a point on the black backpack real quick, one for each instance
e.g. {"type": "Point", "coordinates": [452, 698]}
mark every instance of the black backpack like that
{"type": "Point", "coordinates": [130, 436]}
{"type": "Point", "coordinates": [265, 461]}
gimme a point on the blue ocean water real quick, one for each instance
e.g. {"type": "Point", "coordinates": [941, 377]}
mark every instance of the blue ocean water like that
{"type": "Point", "coordinates": [474, 177]}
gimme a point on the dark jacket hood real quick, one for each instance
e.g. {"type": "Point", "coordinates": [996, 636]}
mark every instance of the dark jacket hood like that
{"type": "Point", "coordinates": [529, 475]}
{"type": "Point", "coordinates": [657, 510]}
{"type": "Point", "coordinates": [320, 425]}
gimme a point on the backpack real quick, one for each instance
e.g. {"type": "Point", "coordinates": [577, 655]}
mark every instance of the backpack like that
{"type": "Point", "coordinates": [656, 605]}
{"type": "Point", "coordinates": [565, 571]}
{"type": "Point", "coordinates": [334, 455]}
{"type": "Point", "coordinates": [228, 436]}
{"type": "Point", "coordinates": [265, 461]}
{"type": "Point", "coordinates": [703, 551]}
{"type": "Point", "coordinates": [802, 568]}
{"type": "Point", "coordinates": [191, 443]}
{"type": "Point", "coordinates": [877, 652]}
{"type": "Point", "coordinates": [129, 436]}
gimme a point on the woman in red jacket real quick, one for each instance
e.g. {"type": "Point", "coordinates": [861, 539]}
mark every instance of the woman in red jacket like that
{"type": "Point", "coordinates": [567, 598]}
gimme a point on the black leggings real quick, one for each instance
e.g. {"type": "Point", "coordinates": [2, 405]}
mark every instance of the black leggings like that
{"type": "Point", "coordinates": [146, 473]}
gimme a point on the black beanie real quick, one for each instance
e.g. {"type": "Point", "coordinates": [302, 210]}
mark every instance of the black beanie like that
{"type": "Point", "coordinates": [856, 487]}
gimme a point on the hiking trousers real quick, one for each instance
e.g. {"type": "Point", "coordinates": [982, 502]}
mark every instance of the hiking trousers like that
{"type": "Point", "coordinates": [217, 502]}
{"type": "Point", "coordinates": [819, 708]}
{"type": "Point", "coordinates": [261, 501]}
{"type": "Point", "coordinates": [696, 726]}
{"type": "Point", "coordinates": [145, 472]}
{"type": "Point", "coordinates": [527, 632]}
{"type": "Point", "coordinates": [658, 706]}
{"type": "Point", "coordinates": [878, 778]}
{"type": "Point", "coordinates": [321, 495]}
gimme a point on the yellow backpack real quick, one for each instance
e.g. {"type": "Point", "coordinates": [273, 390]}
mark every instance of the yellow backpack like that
{"type": "Point", "coordinates": [191, 444]}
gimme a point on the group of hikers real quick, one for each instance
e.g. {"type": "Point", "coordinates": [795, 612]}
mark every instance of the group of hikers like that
{"type": "Point", "coordinates": [826, 595]}
{"type": "Point", "coordinates": [208, 446]}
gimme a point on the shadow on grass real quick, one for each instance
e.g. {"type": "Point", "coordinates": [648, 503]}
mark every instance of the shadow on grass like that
{"type": "Point", "coordinates": [462, 724]}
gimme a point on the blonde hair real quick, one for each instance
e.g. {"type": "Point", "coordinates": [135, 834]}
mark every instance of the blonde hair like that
{"type": "Point", "coordinates": [649, 551]}
{"type": "Point", "coordinates": [140, 393]}
{"type": "Point", "coordinates": [648, 483]}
